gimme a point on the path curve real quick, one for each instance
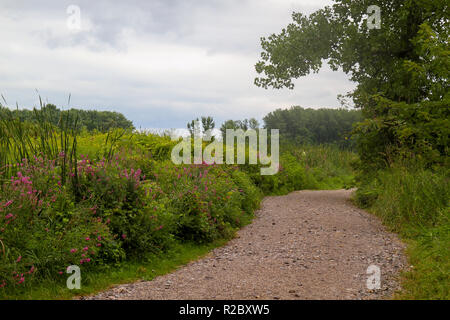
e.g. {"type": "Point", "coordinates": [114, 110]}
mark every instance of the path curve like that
{"type": "Point", "coordinates": [305, 245]}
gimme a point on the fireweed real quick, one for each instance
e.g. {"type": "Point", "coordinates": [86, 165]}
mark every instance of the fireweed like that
{"type": "Point", "coordinates": [109, 211]}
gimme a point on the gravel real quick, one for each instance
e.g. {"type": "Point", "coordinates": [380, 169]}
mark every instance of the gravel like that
{"type": "Point", "coordinates": [305, 245]}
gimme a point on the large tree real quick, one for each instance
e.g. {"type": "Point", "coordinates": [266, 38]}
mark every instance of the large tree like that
{"type": "Point", "coordinates": [401, 69]}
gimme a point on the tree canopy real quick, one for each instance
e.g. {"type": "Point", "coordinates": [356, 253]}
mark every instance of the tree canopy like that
{"type": "Point", "coordinates": [401, 69]}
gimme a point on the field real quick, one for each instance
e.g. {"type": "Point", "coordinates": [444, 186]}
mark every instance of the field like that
{"type": "Point", "coordinates": [114, 204]}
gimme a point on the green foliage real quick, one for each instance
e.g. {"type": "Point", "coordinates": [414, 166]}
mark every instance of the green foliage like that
{"type": "Point", "coordinates": [89, 120]}
{"type": "Point", "coordinates": [125, 201]}
{"type": "Point", "coordinates": [415, 203]}
{"type": "Point", "coordinates": [401, 69]}
{"type": "Point", "coordinates": [374, 58]}
{"type": "Point", "coordinates": [209, 201]}
{"type": "Point", "coordinates": [402, 72]}
{"type": "Point", "coordinates": [306, 167]}
{"type": "Point", "coordinates": [314, 126]}
{"type": "Point", "coordinates": [245, 124]}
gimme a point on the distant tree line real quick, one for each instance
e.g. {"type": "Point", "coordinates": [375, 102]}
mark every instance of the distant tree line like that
{"type": "Point", "coordinates": [314, 126]}
{"type": "Point", "coordinates": [87, 119]}
{"type": "Point", "coordinates": [296, 124]}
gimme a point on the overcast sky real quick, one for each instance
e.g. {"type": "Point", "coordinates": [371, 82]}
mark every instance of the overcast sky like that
{"type": "Point", "coordinates": [160, 63]}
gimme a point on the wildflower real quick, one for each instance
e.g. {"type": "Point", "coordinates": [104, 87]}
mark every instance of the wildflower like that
{"type": "Point", "coordinates": [85, 248]}
{"type": "Point", "coordinates": [99, 244]}
{"type": "Point", "coordinates": [73, 250]}
{"type": "Point", "coordinates": [124, 236]}
{"type": "Point", "coordinates": [8, 203]}
{"type": "Point", "coordinates": [87, 239]}
{"type": "Point", "coordinates": [60, 272]}
{"type": "Point", "coordinates": [22, 279]}
{"type": "Point", "coordinates": [19, 258]}
{"type": "Point", "coordinates": [9, 215]}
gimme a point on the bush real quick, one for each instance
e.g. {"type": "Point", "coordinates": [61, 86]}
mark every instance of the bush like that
{"type": "Point", "coordinates": [98, 212]}
{"type": "Point", "coordinates": [414, 202]}
{"type": "Point", "coordinates": [208, 200]}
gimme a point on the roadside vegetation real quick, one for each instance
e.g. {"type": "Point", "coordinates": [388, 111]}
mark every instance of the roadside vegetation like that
{"type": "Point", "coordinates": [84, 188]}
{"type": "Point", "coordinates": [115, 205]}
{"type": "Point", "coordinates": [401, 69]}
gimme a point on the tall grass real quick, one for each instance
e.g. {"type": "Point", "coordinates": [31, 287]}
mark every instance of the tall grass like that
{"type": "Point", "coordinates": [414, 202]}
{"type": "Point", "coordinates": [20, 140]}
{"type": "Point", "coordinates": [23, 140]}
{"type": "Point", "coordinates": [330, 165]}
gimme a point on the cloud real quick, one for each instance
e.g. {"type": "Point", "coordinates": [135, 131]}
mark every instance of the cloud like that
{"type": "Point", "coordinates": [161, 63]}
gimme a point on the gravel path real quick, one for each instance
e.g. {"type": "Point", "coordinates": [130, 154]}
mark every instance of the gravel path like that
{"type": "Point", "coordinates": [305, 245]}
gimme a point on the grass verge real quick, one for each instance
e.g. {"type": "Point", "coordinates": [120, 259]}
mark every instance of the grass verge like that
{"type": "Point", "coordinates": [414, 202]}
{"type": "Point", "coordinates": [127, 272]}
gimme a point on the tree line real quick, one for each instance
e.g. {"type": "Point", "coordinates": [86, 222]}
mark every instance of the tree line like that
{"type": "Point", "coordinates": [296, 124]}
{"type": "Point", "coordinates": [89, 120]}
{"type": "Point", "coordinates": [314, 126]}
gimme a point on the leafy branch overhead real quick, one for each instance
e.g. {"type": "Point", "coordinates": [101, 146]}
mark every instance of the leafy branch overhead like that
{"type": "Point", "coordinates": [402, 65]}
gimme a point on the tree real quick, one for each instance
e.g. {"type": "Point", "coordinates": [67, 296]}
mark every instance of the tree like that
{"type": "Point", "coordinates": [194, 128]}
{"type": "Point", "coordinates": [239, 124]}
{"type": "Point", "coordinates": [404, 64]}
{"type": "Point", "coordinates": [208, 124]}
{"type": "Point", "coordinates": [314, 125]}
{"type": "Point", "coordinates": [91, 120]}
{"type": "Point", "coordinates": [253, 124]}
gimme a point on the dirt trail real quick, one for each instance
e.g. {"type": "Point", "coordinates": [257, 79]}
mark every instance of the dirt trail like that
{"type": "Point", "coordinates": [305, 245]}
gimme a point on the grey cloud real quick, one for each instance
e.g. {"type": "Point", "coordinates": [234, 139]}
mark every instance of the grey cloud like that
{"type": "Point", "coordinates": [159, 62]}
